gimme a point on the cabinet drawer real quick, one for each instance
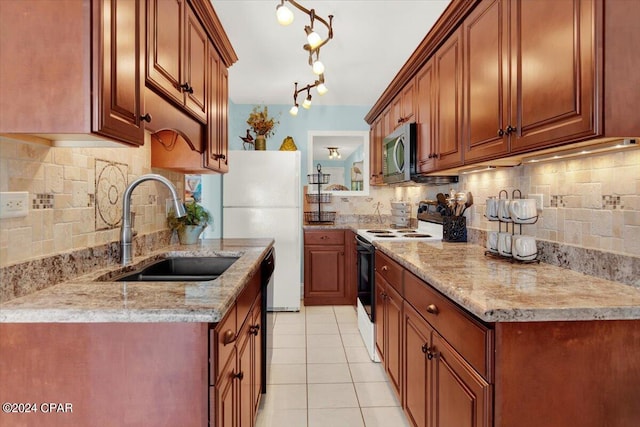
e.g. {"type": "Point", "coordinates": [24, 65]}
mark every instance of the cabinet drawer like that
{"type": "Point", "coordinates": [246, 298]}
{"type": "Point", "coordinates": [390, 270]}
{"type": "Point", "coordinates": [324, 237]}
{"type": "Point", "coordinates": [222, 341]}
{"type": "Point", "coordinates": [468, 336]}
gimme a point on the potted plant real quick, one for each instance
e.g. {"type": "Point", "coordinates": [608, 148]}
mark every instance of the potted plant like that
{"type": "Point", "coordinates": [190, 226]}
{"type": "Point", "coordinates": [262, 125]}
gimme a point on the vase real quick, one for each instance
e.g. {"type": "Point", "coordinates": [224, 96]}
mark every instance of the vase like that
{"type": "Point", "coordinates": [190, 234]}
{"type": "Point", "coordinates": [261, 142]}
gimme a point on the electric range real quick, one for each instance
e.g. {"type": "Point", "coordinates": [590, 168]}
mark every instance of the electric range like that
{"type": "Point", "coordinates": [426, 231]}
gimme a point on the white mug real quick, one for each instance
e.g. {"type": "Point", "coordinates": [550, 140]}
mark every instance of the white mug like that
{"type": "Point", "coordinates": [492, 241]}
{"type": "Point", "coordinates": [503, 210]}
{"type": "Point", "coordinates": [504, 244]}
{"type": "Point", "coordinates": [524, 247]}
{"type": "Point", "coordinates": [523, 211]}
{"type": "Point", "coordinates": [491, 210]}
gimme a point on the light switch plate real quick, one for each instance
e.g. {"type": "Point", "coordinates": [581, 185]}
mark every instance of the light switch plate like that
{"type": "Point", "coordinates": [539, 200]}
{"type": "Point", "coordinates": [14, 204]}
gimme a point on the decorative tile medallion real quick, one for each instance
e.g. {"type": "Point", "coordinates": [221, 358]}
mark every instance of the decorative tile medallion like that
{"type": "Point", "coordinates": [111, 181]}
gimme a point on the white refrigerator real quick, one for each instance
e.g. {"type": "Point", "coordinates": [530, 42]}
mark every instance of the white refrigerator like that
{"type": "Point", "coordinates": [261, 197]}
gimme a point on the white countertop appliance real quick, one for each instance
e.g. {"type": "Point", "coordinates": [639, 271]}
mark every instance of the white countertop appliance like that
{"type": "Point", "coordinates": [426, 231]}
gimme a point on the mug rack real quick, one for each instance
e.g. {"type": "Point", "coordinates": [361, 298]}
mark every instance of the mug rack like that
{"type": "Point", "coordinates": [506, 223]}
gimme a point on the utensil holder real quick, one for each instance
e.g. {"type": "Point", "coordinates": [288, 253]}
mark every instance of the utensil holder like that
{"type": "Point", "coordinates": [454, 229]}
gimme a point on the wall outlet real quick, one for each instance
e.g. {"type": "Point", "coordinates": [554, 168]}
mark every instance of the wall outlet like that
{"type": "Point", "coordinates": [539, 200]}
{"type": "Point", "coordinates": [14, 204]}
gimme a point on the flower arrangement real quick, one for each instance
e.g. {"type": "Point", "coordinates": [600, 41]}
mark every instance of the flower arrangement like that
{"type": "Point", "coordinates": [261, 123]}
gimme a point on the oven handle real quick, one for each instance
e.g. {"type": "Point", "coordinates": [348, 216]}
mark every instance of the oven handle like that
{"type": "Point", "coordinates": [364, 246]}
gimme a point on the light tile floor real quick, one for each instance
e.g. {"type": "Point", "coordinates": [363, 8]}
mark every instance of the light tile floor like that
{"type": "Point", "coordinates": [321, 376]}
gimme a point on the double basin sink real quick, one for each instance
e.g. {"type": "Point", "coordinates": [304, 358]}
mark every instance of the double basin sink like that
{"type": "Point", "coordinates": [178, 269]}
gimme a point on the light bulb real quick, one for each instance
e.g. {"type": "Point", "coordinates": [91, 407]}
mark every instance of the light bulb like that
{"type": "Point", "coordinates": [307, 103]}
{"type": "Point", "coordinates": [294, 110]}
{"type": "Point", "coordinates": [322, 89]}
{"type": "Point", "coordinates": [314, 39]}
{"type": "Point", "coordinates": [284, 15]}
{"type": "Point", "coordinates": [318, 67]}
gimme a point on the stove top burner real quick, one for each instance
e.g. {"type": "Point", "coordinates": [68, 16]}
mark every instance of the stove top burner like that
{"type": "Point", "coordinates": [406, 230]}
{"type": "Point", "coordinates": [379, 231]}
{"type": "Point", "coordinates": [417, 235]}
{"type": "Point", "coordinates": [387, 236]}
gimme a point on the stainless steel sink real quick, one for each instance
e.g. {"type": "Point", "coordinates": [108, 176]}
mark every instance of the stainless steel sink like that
{"type": "Point", "coordinates": [179, 269]}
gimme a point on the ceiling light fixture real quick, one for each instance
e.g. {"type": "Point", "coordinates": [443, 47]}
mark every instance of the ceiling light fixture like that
{"type": "Point", "coordinates": [334, 153]}
{"type": "Point", "coordinates": [313, 45]}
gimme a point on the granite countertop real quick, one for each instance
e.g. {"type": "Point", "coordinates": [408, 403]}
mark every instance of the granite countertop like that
{"type": "Point", "coordinates": [496, 290]}
{"type": "Point", "coordinates": [84, 299]}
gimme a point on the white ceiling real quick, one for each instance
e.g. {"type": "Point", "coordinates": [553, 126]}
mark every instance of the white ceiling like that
{"type": "Point", "coordinates": [372, 40]}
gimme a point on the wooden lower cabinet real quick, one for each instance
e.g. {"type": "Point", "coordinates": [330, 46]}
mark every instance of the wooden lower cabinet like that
{"type": "Point", "coordinates": [324, 269]}
{"type": "Point", "coordinates": [239, 387]}
{"type": "Point", "coordinates": [417, 336]}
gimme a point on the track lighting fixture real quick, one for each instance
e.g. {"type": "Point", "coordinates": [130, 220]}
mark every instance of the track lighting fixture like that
{"type": "Point", "coordinates": [313, 45]}
{"type": "Point", "coordinates": [334, 153]}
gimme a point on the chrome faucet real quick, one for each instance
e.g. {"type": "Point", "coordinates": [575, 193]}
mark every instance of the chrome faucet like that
{"type": "Point", "coordinates": [126, 232]}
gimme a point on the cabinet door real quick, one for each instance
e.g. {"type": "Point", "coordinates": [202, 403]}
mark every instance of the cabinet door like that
{"type": "Point", "coordinates": [379, 297]}
{"type": "Point", "coordinates": [417, 377]}
{"type": "Point", "coordinates": [256, 370]}
{"type": "Point", "coordinates": [375, 152]}
{"type": "Point", "coordinates": [408, 102]}
{"type": "Point", "coordinates": [223, 113]}
{"type": "Point", "coordinates": [195, 66]}
{"type": "Point", "coordinates": [554, 96]}
{"type": "Point", "coordinates": [324, 275]}
{"type": "Point", "coordinates": [165, 26]}
{"type": "Point", "coordinates": [395, 118]}
{"type": "Point", "coordinates": [243, 377]}
{"type": "Point", "coordinates": [393, 339]}
{"type": "Point", "coordinates": [425, 117]}
{"type": "Point", "coordinates": [119, 51]}
{"type": "Point", "coordinates": [448, 63]}
{"type": "Point", "coordinates": [486, 78]}
{"type": "Point", "coordinates": [225, 408]}
{"type": "Point", "coordinates": [461, 397]}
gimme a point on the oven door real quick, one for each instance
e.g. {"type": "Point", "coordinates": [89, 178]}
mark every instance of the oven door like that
{"type": "Point", "coordinates": [366, 276]}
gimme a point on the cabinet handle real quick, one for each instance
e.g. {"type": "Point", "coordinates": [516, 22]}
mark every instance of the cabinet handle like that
{"type": "Point", "coordinates": [239, 375]}
{"type": "Point", "coordinates": [428, 351]}
{"type": "Point", "coordinates": [425, 348]}
{"type": "Point", "coordinates": [186, 87]}
{"type": "Point", "coordinates": [500, 132]}
{"type": "Point", "coordinates": [385, 268]}
{"type": "Point", "coordinates": [510, 129]}
{"type": "Point", "coordinates": [219, 156]}
{"type": "Point", "coordinates": [146, 118]}
{"type": "Point", "coordinates": [228, 337]}
{"type": "Point", "coordinates": [433, 309]}
{"type": "Point", "coordinates": [254, 329]}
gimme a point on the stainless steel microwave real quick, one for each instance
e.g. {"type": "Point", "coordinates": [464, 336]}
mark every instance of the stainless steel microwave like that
{"type": "Point", "coordinates": [397, 149]}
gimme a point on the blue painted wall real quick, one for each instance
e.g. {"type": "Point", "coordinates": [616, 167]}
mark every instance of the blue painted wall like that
{"type": "Point", "coordinates": [318, 117]}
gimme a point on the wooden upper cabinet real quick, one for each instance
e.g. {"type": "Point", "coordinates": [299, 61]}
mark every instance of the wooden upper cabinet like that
{"type": "Point", "coordinates": [424, 115]}
{"type": "Point", "coordinates": [177, 54]}
{"type": "Point", "coordinates": [375, 152]}
{"type": "Point", "coordinates": [217, 89]}
{"type": "Point", "coordinates": [408, 102]}
{"type": "Point", "coordinates": [68, 68]}
{"type": "Point", "coordinates": [165, 26]}
{"type": "Point", "coordinates": [554, 92]}
{"type": "Point", "coordinates": [486, 81]}
{"type": "Point", "coordinates": [448, 103]}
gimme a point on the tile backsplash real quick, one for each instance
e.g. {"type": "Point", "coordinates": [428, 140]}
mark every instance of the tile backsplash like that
{"type": "Point", "coordinates": [75, 197]}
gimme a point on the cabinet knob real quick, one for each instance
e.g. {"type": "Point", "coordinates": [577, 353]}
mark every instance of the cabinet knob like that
{"type": "Point", "coordinates": [433, 309]}
{"type": "Point", "coordinates": [254, 329]}
{"type": "Point", "coordinates": [186, 88]}
{"type": "Point", "coordinates": [385, 268]}
{"type": "Point", "coordinates": [239, 375]}
{"type": "Point", "coordinates": [146, 118]}
{"type": "Point", "coordinates": [228, 337]}
{"type": "Point", "coordinates": [510, 129]}
{"type": "Point", "coordinates": [428, 351]}
{"type": "Point", "coordinates": [500, 132]}
{"type": "Point", "coordinates": [425, 348]}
